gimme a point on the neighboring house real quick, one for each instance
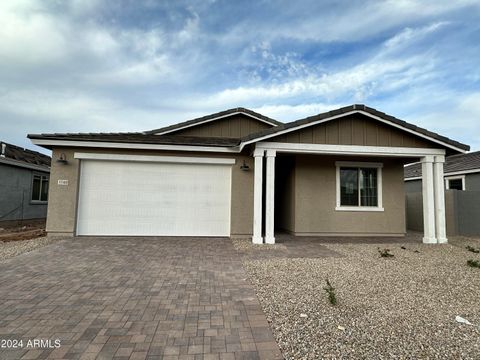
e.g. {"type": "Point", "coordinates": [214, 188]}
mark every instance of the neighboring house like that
{"type": "Point", "coordinates": [461, 172]}
{"type": "Point", "coordinates": [239, 173]}
{"type": "Point", "coordinates": [24, 177]}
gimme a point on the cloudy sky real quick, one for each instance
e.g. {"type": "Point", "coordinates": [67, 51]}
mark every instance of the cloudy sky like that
{"type": "Point", "coordinates": [111, 65]}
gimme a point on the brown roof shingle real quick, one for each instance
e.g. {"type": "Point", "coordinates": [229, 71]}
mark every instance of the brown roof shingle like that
{"type": "Point", "coordinates": [26, 156]}
{"type": "Point", "coordinates": [141, 138]}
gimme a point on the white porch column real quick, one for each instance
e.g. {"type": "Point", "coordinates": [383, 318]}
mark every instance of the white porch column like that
{"type": "Point", "coordinates": [439, 193]}
{"type": "Point", "coordinates": [258, 197]}
{"type": "Point", "coordinates": [428, 201]}
{"type": "Point", "coordinates": [270, 198]}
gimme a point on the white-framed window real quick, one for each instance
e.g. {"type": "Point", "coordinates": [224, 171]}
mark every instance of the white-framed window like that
{"type": "Point", "coordinates": [359, 186]}
{"type": "Point", "coordinates": [455, 182]}
{"type": "Point", "coordinates": [39, 188]}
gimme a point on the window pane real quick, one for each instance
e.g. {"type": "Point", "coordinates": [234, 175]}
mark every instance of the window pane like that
{"type": "Point", "coordinates": [455, 184]}
{"type": "Point", "coordinates": [348, 187]}
{"type": "Point", "coordinates": [44, 194]}
{"type": "Point", "coordinates": [36, 187]}
{"type": "Point", "coordinates": [368, 187]}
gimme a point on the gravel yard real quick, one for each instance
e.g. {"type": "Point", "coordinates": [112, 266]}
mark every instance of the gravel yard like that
{"type": "Point", "coordinates": [398, 307]}
{"type": "Point", "coordinates": [13, 248]}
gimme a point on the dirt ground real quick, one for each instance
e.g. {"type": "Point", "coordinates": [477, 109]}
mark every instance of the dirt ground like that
{"type": "Point", "coordinates": [22, 230]}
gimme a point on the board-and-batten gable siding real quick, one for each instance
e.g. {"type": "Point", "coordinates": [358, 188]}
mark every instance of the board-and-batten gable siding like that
{"type": "Point", "coordinates": [235, 126]}
{"type": "Point", "coordinates": [355, 130]}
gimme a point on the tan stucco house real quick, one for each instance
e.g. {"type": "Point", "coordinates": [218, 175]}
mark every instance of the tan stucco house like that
{"type": "Point", "coordinates": [239, 173]}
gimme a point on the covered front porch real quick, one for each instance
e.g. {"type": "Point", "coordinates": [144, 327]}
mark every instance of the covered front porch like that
{"type": "Point", "coordinates": [322, 200]}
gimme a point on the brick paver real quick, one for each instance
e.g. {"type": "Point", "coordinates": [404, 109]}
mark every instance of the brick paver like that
{"type": "Point", "coordinates": [133, 298]}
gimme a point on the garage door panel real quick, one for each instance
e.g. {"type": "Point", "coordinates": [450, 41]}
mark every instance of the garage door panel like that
{"type": "Point", "coordinates": [128, 198]}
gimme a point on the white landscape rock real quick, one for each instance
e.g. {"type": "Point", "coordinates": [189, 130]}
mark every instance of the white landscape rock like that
{"type": "Point", "coordinates": [13, 248]}
{"type": "Point", "coordinates": [462, 320]}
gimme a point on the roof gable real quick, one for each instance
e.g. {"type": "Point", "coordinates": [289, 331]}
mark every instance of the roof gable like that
{"type": "Point", "coordinates": [186, 127]}
{"type": "Point", "coordinates": [415, 131]}
{"type": "Point", "coordinates": [354, 129]}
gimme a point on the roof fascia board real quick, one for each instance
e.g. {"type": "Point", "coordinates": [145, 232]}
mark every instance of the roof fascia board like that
{"type": "Point", "coordinates": [213, 119]}
{"type": "Point", "coordinates": [349, 149]}
{"type": "Point", "coordinates": [473, 171]}
{"type": "Point", "coordinates": [101, 144]}
{"type": "Point", "coordinates": [22, 164]}
{"type": "Point", "coordinates": [313, 123]}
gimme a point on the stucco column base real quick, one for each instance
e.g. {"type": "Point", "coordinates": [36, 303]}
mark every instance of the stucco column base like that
{"type": "Point", "coordinates": [442, 240]}
{"type": "Point", "coordinates": [269, 240]}
{"type": "Point", "coordinates": [257, 240]}
{"type": "Point", "coordinates": [431, 240]}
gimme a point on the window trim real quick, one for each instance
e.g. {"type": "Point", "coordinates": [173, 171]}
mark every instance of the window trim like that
{"type": "Point", "coordinates": [39, 202]}
{"type": "Point", "coordinates": [458, 177]}
{"type": "Point", "coordinates": [360, 164]}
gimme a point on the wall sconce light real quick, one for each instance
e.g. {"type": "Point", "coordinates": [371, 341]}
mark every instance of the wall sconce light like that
{"type": "Point", "coordinates": [244, 166]}
{"type": "Point", "coordinates": [62, 159]}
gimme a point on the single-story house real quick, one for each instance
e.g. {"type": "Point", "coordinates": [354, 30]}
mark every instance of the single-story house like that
{"type": "Point", "coordinates": [24, 175]}
{"type": "Point", "coordinates": [239, 173]}
{"type": "Point", "coordinates": [461, 172]}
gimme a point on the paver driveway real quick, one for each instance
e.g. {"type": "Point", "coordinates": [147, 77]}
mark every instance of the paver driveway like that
{"type": "Point", "coordinates": [133, 298]}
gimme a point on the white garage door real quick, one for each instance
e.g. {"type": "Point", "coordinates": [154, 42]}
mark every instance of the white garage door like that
{"type": "Point", "coordinates": [154, 198]}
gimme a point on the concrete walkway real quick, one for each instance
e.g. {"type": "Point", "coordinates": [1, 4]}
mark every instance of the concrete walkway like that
{"type": "Point", "coordinates": [133, 298]}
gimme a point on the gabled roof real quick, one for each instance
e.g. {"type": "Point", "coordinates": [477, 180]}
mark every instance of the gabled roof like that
{"type": "Point", "coordinates": [357, 108]}
{"type": "Point", "coordinates": [229, 144]}
{"type": "Point", "coordinates": [455, 164]}
{"type": "Point", "coordinates": [18, 156]}
{"type": "Point", "coordinates": [213, 117]}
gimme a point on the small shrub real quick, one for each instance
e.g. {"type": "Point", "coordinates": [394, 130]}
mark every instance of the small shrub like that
{"type": "Point", "coordinates": [473, 263]}
{"type": "Point", "coordinates": [385, 253]}
{"type": "Point", "coordinates": [472, 249]}
{"type": "Point", "coordinates": [331, 293]}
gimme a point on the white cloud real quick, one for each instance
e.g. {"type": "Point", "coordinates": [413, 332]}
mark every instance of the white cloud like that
{"type": "Point", "coordinates": [351, 22]}
{"type": "Point", "coordinates": [33, 37]}
{"type": "Point", "coordinates": [29, 36]}
{"type": "Point", "coordinates": [409, 34]}
{"type": "Point", "coordinates": [357, 82]}
{"type": "Point", "coordinates": [386, 71]}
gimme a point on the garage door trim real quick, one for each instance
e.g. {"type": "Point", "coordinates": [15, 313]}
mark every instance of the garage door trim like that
{"type": "Point", "coordinates": [155, 158]}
